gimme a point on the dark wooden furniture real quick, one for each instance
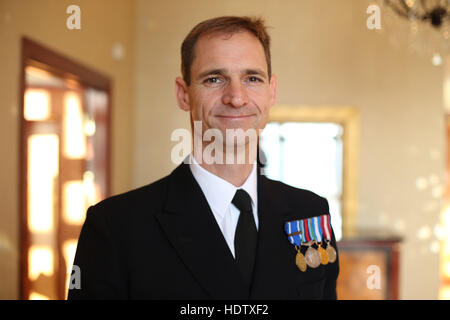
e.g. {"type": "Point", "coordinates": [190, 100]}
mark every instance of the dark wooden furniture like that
{"type": "Point", "coordinates": [364, 256]}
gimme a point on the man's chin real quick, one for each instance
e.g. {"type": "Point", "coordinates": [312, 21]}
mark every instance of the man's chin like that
{"type": "Point", "coordinates": [237, 129]}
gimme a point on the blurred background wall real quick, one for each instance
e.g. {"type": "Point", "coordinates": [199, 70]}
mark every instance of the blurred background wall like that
{"type": "Point", "coordinates": [104, 23]}
{"type": "Point", "coordinates": [322, 53]}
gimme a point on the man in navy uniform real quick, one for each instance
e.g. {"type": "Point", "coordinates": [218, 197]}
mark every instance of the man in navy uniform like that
{"type": "Point", "coordinates": [212, 229]}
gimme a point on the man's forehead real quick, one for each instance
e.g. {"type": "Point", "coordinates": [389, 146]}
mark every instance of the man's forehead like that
{"type": "Point", "coordinates": [217, 48]}
{"type": "Point", "coordinates": [223, 38]}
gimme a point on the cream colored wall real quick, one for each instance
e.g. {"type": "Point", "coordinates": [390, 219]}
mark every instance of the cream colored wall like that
{"type": "Point", "coordinates": [103, 23]}
{"type": "Point", "coordinates": [323, 54]}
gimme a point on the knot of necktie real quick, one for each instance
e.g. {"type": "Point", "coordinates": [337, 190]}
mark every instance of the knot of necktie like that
{"type": "Point", "coordinates": [242, 200]}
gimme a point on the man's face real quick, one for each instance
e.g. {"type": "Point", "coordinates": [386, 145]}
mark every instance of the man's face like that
{"type": "Point", "coordinates": [229, 88]}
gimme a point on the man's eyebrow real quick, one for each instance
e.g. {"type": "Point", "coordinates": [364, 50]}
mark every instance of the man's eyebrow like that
{"type": "Point", "coordinates": [255, 71]}
{"type": "Point", "coordinates": [211, 72]}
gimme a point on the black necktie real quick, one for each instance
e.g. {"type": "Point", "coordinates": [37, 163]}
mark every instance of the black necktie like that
{"type": "Point", "coordinates": [246, 236]}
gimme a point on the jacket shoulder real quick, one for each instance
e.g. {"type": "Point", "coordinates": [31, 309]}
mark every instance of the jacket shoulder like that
{"type": "Point", "coordinates": [298, 198]}
{"type": "Point", "coordinates": [148, 198]}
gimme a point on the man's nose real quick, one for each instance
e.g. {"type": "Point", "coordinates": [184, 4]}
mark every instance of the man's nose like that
{"type": "Point", "coordinates": [235, 94]}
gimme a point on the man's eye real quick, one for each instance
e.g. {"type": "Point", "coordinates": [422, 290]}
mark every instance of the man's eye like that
{"type": "Point", "coordinates": [212, 80]}
{"type": "Point", "coordinates": [254, 79]}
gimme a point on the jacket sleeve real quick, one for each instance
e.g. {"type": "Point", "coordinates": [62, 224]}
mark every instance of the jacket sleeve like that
{"type": "Point", "coordinates": [96, 261]}
{"type": "Point", "coordinates": [333, 270]}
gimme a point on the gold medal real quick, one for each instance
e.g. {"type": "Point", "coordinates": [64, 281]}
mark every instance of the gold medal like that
{"type": "Point", "coordinates": [323, 255]}
{"type": "Point", "coordinates": [312, 257]}
{"type": "Point", "coordinates": [331, 252]}
{"type": "Point", "coordinates": [300, 261]}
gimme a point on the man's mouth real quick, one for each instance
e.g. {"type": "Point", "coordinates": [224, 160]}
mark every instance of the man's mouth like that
{"type": "Point", "coordinates": [237, 117]}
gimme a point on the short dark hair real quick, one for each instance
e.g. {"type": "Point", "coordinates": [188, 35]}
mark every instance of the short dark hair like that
{"type": "Point", "coordinates": [228, 25]}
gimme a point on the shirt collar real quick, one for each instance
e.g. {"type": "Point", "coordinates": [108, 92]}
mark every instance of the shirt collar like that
{"type": "Point", "coordinates": [218, 192]}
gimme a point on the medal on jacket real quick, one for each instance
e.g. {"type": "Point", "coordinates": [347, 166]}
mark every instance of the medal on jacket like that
{"type": "Point", "coordinates": [318, 233]}
{"type": "Point", "coordinates": [326, 227]}
{"type": "Point", "coordinates": [313, 258]}
{"type": "Point", "coordinates": [331, 252]}
{"type": "Point", "coordinates": [295, 237]}
{"type": "Point", "coordinates": [300, 260]}
{"type": "Point", "coordinates": [312, 255]}
{"type": "Point", "coordinates": [323, 255]}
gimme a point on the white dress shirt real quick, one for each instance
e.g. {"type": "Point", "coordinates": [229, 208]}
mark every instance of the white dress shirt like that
{"type": "Point", "coordinates": [219, 193]}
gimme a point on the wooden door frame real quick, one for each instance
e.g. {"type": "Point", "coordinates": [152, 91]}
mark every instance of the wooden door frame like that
{"type": "Point", "coordinates": [37, 55]}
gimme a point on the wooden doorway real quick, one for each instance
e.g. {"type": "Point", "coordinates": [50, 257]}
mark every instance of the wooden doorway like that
{"type": "Point", "coordinates": [65, 163]}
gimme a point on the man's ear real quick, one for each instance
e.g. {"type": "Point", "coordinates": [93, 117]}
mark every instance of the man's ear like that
{"type": "Point", "coordinates": [273, 84]}
{"type": "Point", "coordinates": [181, 91]}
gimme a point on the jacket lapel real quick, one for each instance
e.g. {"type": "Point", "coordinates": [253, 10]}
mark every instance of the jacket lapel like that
{"type": "Point", "coordinates": [193, 231]}
{"type": "Point", "coordinates": [272, 277]}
